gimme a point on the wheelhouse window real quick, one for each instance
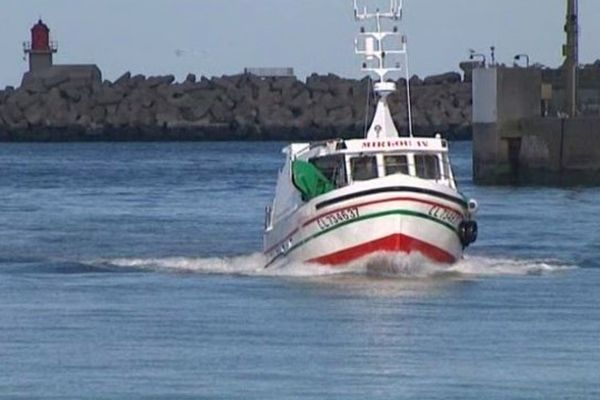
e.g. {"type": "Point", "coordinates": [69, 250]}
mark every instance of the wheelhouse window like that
{"type": "Point", "coordinates": [396, 165]}
{"type": "Point", "coordinates": [427, 166]}
{"type": "Point", "coordinates": [446, 167]}
{"type": "Point", "coordinates": [364, 168]}
{"type": "Point", "coordinates": [333, 168]}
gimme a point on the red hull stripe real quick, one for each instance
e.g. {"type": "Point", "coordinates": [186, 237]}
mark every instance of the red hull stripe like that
{"type": "Point", "coordinates": [392, 243]}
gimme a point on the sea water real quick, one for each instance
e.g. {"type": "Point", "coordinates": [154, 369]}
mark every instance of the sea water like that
{"type": "Point", "coordinates": [133, 271]}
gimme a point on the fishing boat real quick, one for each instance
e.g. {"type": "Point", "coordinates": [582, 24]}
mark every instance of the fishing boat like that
{"type": "Point", "coordinates": [339, 200]}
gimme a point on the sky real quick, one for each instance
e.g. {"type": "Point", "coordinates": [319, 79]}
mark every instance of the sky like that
{"type": "Point", "coordinates": [217, 37]}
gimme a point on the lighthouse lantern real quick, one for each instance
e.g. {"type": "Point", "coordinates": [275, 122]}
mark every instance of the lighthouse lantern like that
{"type": "Point", "coordinates": [40, 49]}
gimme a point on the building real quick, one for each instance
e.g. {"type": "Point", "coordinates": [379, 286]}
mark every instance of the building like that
{"type": "Point", "coordinates": [41, 49]}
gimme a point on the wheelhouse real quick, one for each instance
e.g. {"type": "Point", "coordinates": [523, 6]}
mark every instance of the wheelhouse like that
{"type": "Point", "coordinates": [347, 167]}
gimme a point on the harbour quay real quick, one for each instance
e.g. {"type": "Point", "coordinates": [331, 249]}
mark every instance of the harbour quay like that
{"type": "Point", "coordinates": [538, 126]}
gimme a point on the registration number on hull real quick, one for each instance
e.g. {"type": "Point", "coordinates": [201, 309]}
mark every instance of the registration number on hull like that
{"type": "Point", "coordinates": [338, 217]}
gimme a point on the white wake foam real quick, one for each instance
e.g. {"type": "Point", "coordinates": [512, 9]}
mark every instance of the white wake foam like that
{"type": "Point", "coordinates": [494, 266]}
{"type": "Point", "coordinates": [411, 266]}
{"type": "Point", "coordinates": [241, 265]}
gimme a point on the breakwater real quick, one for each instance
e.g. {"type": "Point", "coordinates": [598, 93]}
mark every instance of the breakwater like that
{"type": "Point", "coordinates": [63, 106]}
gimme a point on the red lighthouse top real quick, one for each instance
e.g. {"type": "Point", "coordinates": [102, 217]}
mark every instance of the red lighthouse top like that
{"type": "Point", "coordinates": [40, 37]}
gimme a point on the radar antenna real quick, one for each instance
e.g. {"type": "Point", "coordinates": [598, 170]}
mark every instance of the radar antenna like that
{"type": "Point", "coordinates": [377, 46]}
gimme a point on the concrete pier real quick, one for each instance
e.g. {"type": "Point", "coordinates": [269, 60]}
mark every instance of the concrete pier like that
{"type": "Point", "coordinates": [516, 140]}
{"type": "Point", "coordinates": [534, 126]}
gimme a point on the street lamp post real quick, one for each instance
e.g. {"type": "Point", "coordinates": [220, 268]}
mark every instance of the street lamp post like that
{"type": "Point", "coordinates": [474, 55]}
{"type": "Point", "coordinates": [518, 57]}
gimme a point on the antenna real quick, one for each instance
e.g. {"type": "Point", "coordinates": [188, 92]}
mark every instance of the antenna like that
{"type": "Point", "coordinates": [395, 11]}
{"type": "Point", "coordinates": [381, 48]}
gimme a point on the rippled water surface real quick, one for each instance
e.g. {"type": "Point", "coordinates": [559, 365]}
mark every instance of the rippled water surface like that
{"type": "Point", "coordinates": [133, 271]}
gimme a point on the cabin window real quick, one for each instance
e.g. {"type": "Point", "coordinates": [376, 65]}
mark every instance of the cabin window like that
{"type": "Point", "coordinates": [364, 168]}
{"type": "Point", "coordinates": [427, 166]}
{"type": "Point", "coordinates": [396, 165]}
{"type": "Point", "coordinates": [446, 166]}
{"type": "Point", "coordinates": [333, 168]}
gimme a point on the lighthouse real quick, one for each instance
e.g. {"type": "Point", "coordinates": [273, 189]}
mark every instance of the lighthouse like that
{"type": "Point", "coordinates": [40, 49]}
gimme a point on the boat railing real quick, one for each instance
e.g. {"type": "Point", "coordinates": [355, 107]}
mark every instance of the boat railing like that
{"type": "Point", "coordinates": [319, 144]}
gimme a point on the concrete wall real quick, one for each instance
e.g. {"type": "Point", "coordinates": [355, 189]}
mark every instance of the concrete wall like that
{"type": "Point", "coordinates": [541, 151]}
{"type": "Point", "coordinates": [485, 91]}
{"type": "Point", "coordinates": [487, 153]}
{"type": "Point", "coordinates": [519, 93]}
{"type": "Point", "coordinates": [39, 62]}
{"type": "Point", "coordinates": [582, 144]}
{"type": "Point", "coordinates": [540, 144]}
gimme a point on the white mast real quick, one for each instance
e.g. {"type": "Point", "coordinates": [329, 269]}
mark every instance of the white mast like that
{"type": "Point", "coordinates": [374, 46]}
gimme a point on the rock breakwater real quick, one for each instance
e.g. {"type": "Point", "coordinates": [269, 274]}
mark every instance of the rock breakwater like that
{"type": "Point", "coordinates": [65, 106]}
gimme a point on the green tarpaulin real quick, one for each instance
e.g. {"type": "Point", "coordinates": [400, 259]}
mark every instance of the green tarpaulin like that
{"type": "Point", "coordinates": [309, 180]}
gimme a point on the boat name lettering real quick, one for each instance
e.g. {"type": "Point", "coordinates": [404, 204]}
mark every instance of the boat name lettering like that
{"type": "Point", "coordinates": [333, 219]}
{"type": "Point", "coordinates": [444, 214]}
{"type": "Point", "coordinates": [382, 144]}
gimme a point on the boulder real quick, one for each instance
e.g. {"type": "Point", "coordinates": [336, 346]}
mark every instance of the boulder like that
{"type": "Point", "coordinates": [35, 115]}
{"type": "Point", "coordinates": [142, 117]}
{"type": "Point", "coordinates": [220, 112]}
{"type": "Point", "coordinates": [330, 101]}
{"type": "Point", "coordinates": [156, 81]}
{"type": "Point", "coordinates": [415, 81]}
{"type": "Point", "coordinates": [283, 84]}
{"type": "Point", "coordinates": [182, 101]}
{"type": "Point", "coordinates": [190, 87]}
{"type": "Point", "coordinates": [33, 85]}
{"type": "Point", "coordinates": [317, 83]}
{"type": "Point", "coordinates": [110, 96]}
{"type": "Point", "coordinates": [137, 81]}
{"type": "Point", "coordinates": [22, 99]}
{"type": "Point", "coordinates": [122, 116]}
{"type": "Point", "coordinates": [197, 112]}
{"type": "Point", "coordinates": [72, 93]}
{"type": "Point", "coordinates": [449, 77]}
{"type": "Point", "coordinates": [190, 78]}
{"type": "Point", "coordinates": [98, 115]}
{"type": "Point", "coordinates": [83, 121]}
{"type": "Point", "coordinates": [123, 80]}
{"type": "Point", "coordinates": [293, 91]}
{"type": "Point", "coordinates": [206, 84]}
{"type": "Point", "coordinates": [276, 117]}
{"type": "Point", "coordinates": [302, 100]}
{"type": "Point", "coordinates": [3, 122]}
{"type": "Point", "coordinates": [226, 83]}
{"type": "Point", "coordinates": [84, 106]}
{"type": "Point", "coordinates": [165, 91]}
{"type": "Point", "coordinates": [13, 114]}
{"type": "Point", "coordinates": [167, 115]}
{"type": "Point", "coordinates": [341, 116]}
